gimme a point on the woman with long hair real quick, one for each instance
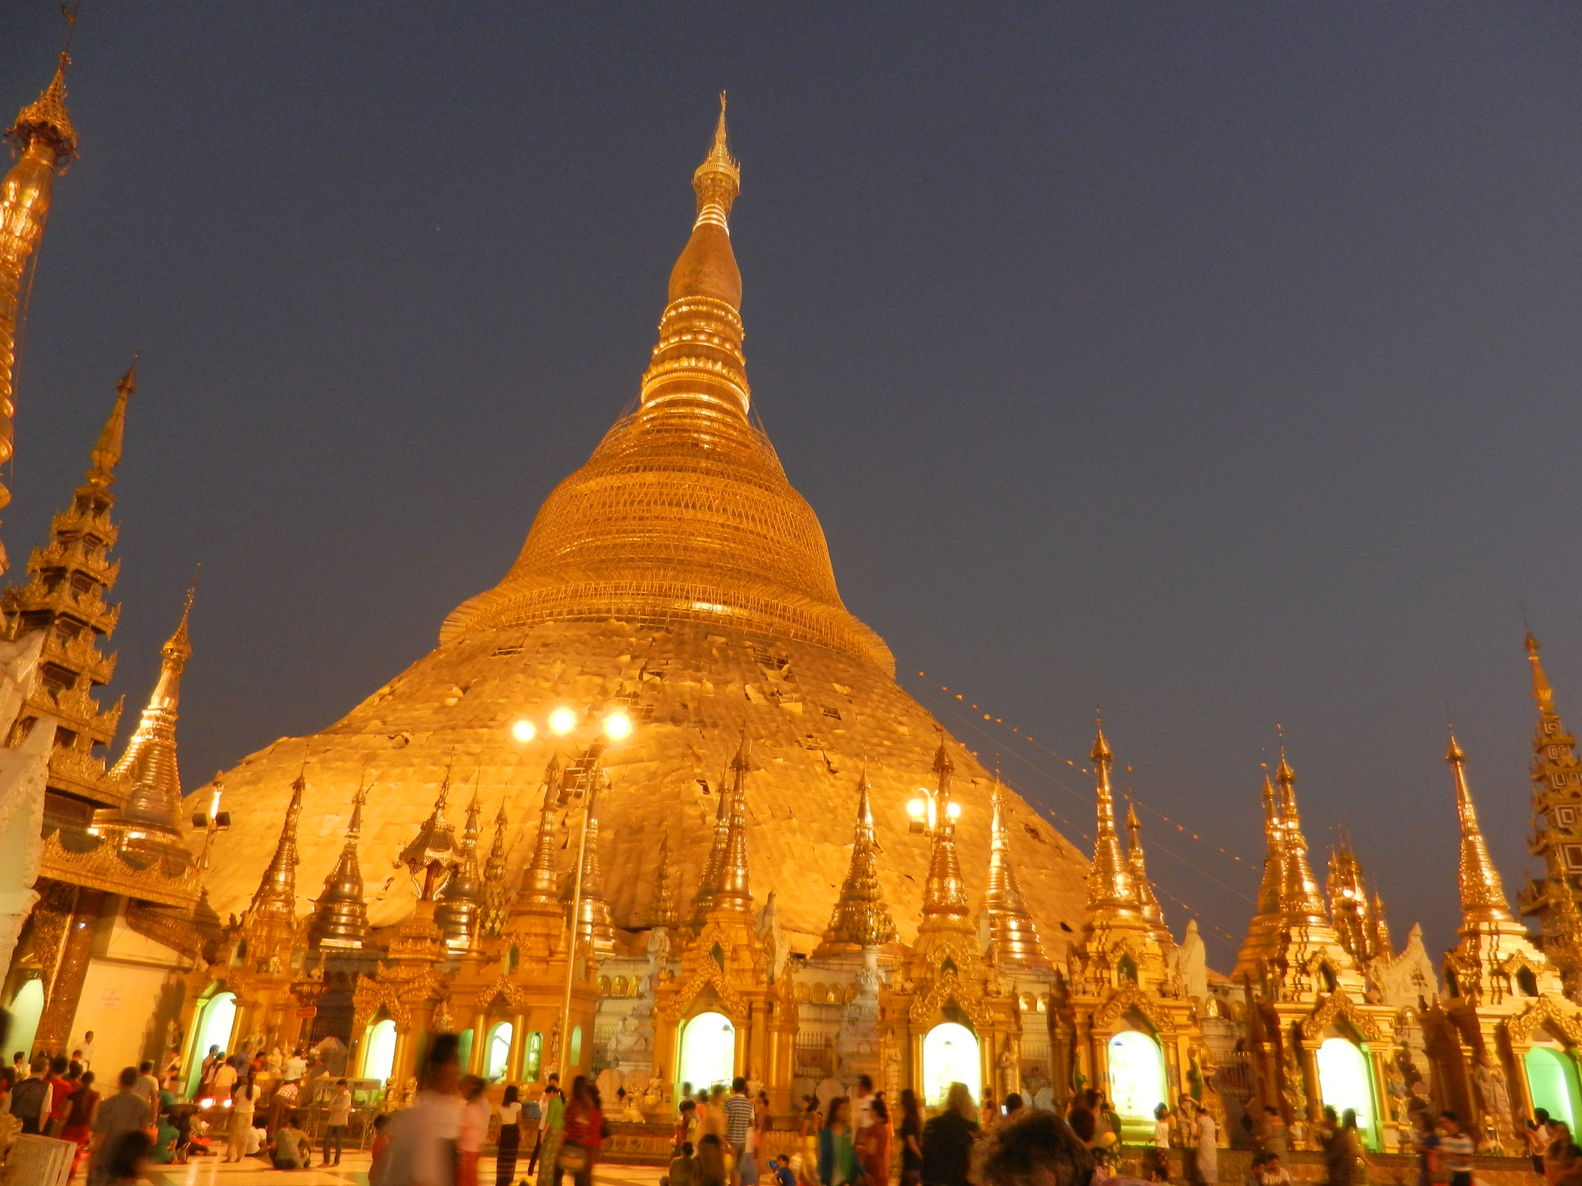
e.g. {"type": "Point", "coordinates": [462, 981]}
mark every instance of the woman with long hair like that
{"type": "Point", "coordinates": [808, 1125]}
{"type": "Point", "coordinates": [579, 1149]}
{"type": "Point", "coordinates": [244, 1101]}
{"type": "Point", "coordinates": [837, 1157]}
{"type": "Point", "coordinates": [79, 1117]}
{"type": "Point", "coordinates": [510, 1144]}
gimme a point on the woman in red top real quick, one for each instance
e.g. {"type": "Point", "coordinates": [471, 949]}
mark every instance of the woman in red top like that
{"type": "Point", "coordinates": [873, 1146]}
{"type": "Point", "coordinates": [579, 1149]}
{"type": "Point", "coordinates": [79, 1115]}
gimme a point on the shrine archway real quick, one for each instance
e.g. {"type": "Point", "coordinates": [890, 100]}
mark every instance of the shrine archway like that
{"type": "Point", "coordinates": [708, 1051]}
{"type": "Point", "coordinates": [1552, 1082]}
{"type": "Point", "coordinates": [26, 1008]}
{"type": "Point", "coordinates": [950, 1055]}
{"type": "Point", "coordinates": [1137, 1081]}
{"type": "Point", "coordinates": [379, 1051]}
{"type": "Point", "coordinates": [497, 1055]}
{"type": "Point", "coordinates": [214, 1027]}
{"type": "Point", "coordinates": [1345, 1080]}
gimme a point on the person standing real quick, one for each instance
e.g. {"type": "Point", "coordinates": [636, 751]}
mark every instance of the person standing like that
{"type": "Point", "coordinates": [30, 1098]}
{"type": "Point", "coordinates": [1454, 1154]}
{"type": "Point", "coordinates": [510, 1144]}
{"type": "Point", "coordinates": [738, 1126]}
{"type": "Point", "coordinates": [336, 1117]}
{"type": "Point", "coordinates": [474, 1130]}
{"type": "Point", "coordinates": [948, 1139]}
{"type": "Point", "coordinates": [86, 1050]}
{"type": "Point", "coordinates": [875, 1153]}
{"type": "Point", "coordinates": [584, 1132]}
{"type": "Point", "coordinates": [294, 1067]}
{"type": "Point", "coordinates": [1207, 1149]}
{"type": "Point", "coordinates": [244, 1103]}
{"type": "Point", "coordinates": [837, 1155]}
{"type": "Point", "coordinates": [79, 1120]}
{"type": "Point", "coordinates": [422, 1149]}
{"type": "Point", "coordinates": [126, 1111]}
{"type": "Point", "coordinates": [1159, 1166]}
{"type": "Point", "coordinates": [911, 1139]}
{"type": "Point", "coordinates": [220, 1086]}
{"type": "Point", "coordinates": [554, 1134]}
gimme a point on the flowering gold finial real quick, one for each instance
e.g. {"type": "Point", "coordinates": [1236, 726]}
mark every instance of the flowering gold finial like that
{"type": "Point", "coordinates": [718, 179]}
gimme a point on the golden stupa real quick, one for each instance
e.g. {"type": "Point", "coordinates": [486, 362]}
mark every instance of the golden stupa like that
{"type": "Point", "coordinates": [676, 575]}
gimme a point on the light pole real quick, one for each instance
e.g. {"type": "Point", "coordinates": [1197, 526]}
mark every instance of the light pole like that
{"type": "Point", "coordinates": [210, 822]}
{"type": "Point", "coordinates": [563, 721]}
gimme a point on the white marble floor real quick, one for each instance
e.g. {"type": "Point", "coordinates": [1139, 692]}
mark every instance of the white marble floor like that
{"type": "Point", "coordinates": [353, 1171]}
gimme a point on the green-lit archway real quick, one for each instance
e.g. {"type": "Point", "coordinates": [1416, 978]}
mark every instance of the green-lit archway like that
{"type": "Point", "coordinates": [1552, 1081]}
{"type": "Point", "coordinates": [1137, 1081]}
{"type": "Point", "coordinates": [1345, 1080]}
{"type": "Point", "coordinates": [950, 1055]}
{"type": "Point", "coordinates": [379, 1049]}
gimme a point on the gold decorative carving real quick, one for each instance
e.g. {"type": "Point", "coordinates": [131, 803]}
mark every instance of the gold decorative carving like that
{"type": "Point", "coordinates": [1546, 1011]}
{"type": "Point", "coordinates": [949, 987]}
{"type": "Point", "coordinates": [101, 868]}
{"type": "Point", "coordinates": [1130, 999]}
{"type": "Point", "coordinates": [1335, 1006]}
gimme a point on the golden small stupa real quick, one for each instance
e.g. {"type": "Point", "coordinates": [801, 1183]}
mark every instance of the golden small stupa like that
{"type": "Point", "coordinates": [678, 577]}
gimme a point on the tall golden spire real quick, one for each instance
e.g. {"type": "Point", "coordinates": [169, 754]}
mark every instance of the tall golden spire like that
{"type": "Point", "coordinates": [540, 892]}
{"type": "Point", "coordinates": [1109, 879]}
{"type": "Point", "coordinates": [683, 512]}
{"type": "Point", "coordinates": [734, 890]}
{"type": "Point", "coordinates": [1013, 937]}
{"type": "Point", "coordinates": [148, 773]}
{"type": "Point", "coordinates": [1557, 830]}
{"type": "Point", "coordinates": [459, 904]}
{"type": "Point", "coordinates": [106, 455]}
{"type": "Point", "coordinates": [860, 919]}
{"type": "Point", "coordinates": [430, 856]}
{"type": "Point", "coordinates": [945, 892]}
{"type": "Point", "coordinates": [1303, 900]}
{"type": "Point", "coordinates": [1483, 901]}
{"type": "Point", "coordinates": [496, 900]}
{"type": "Point", "coordinates": [593, 924]}
{"type": "Point", "coordinates": [340, 915]}
{"type": "Point", "coordinates": [665, 913]}
{"type": "Point", "coordinates": [1358, 917]}
{"type": "Point", "coordinates": [45, 143]}
{"type": "Point", "coordinates": [270, 922]}
{"type": "Point", "coordinates": [714, 866]}
{"type": "Point", "coordinates": [1142, 884]}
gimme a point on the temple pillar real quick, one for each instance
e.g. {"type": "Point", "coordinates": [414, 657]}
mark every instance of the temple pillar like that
{"type": "Point", "coordinates": [513, 1060]}
{"type": "Point", "coordinates": [1084, 1051]}
{"type": "Point", "coordinates": [65, 988]}
{"type": "Point", "coordinates": [1314, 1093]}
{"type": "Point", "coordinates": [1385, 1119]}
{"type": "Point", "coordinates": [480, 1039]}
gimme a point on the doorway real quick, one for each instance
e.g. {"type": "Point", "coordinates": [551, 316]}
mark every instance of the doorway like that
{"type": "Point", "coordinates": [1137, 1082]}
{"type": "Point", "coordinates": [708, 1051]}
{"type": "Point", "coordinates": [1345, 1080]}
{"type": "Point", "coordinates": [950, 1055]}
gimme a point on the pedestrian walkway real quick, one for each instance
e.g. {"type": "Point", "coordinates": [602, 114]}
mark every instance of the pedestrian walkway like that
{"type": "Point", "coordinates": [353, 1171]}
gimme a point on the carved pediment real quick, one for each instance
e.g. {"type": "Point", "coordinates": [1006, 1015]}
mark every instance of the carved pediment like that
{"type": "Point", "coordinates": [1130, 999]}
{"type": "Point", "coordinates": [1335, 1007]}
{"type": "Point", "coordinates": [1551, 1012]}
{"type": "Point", "coordinates": [950, 989]}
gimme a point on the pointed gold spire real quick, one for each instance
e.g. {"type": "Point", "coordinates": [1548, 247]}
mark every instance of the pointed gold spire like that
{"type": "Point", "coordinates": [1109, 880]}
{"type": "Point", "coordinates": [594, 927]}
{"type": "Point", "coordinates": [1013, 937]}
{"type": "Point", "coordinates": [1142, 884]}
{"type": "Point", "coordinates": [699, 362]}
{"type": "Point", "coordinates": [430, 856]}
{"type": "Point", "coordinates": [715, 868]}
{"type": "Point", "coordinates": [459, 904]}
{"type": "Point", "coordinates": [734, 889]}
{"type": "Point", "coordinates": [340, 916]}
{"type": "Point", "coordinates": [1483, 901]}
{"type": "Point", "coordinates": [665, 913]}
{"type": "Point", "coordinates": [1302, 897]}
{"type": "Point", "coordinates": [107, 449]}
{"type": "Point", "coordinates": [860, 919]}
{"type": "Point", "coordinates": [496, 899]}
{"type": "Point", "coordinates": [1557, 830]}
{"type": "Point", "coordinates": [148, 773]}
{"type": "Point", "coordinates": [540, 892]}
{"type": "Point", "coordinates": [1357, 916]}
{"type": "Point", "coordinates": [945, 905]}
{"type": "Point", "coordinates": [270, 923]}
{"type": "Point", "coordinates": [45, 142]}
{"type": "Point", "coordinates": [1543, 693]}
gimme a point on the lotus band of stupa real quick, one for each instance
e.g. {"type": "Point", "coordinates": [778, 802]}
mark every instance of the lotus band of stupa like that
{"type": "Point", "coordinates": [655, 809]}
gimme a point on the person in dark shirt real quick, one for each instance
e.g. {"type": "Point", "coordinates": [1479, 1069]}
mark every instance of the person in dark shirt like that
{"type": "Point", "coordinates": [1035, 1149]}
{"type": "Point", "coordinates": [948, 1139]}
{"type": "Point", "coordinates": [911, 1139]}
{"type": "Point", "coordinates": [1082, 1119]}
{"type": "Point", "coordinates": [783, 1174]}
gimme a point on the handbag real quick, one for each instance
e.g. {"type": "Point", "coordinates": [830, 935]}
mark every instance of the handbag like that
{"type": "Point", "coordinates": [573, 1159]}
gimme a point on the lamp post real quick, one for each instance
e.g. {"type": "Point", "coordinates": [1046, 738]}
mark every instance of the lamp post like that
{"type": "Point", "coordinates": [210, 822]}
{"type": "Point", "coordinates": [563, 722]}
{"type": "Point", "coordinates": [929, 810]}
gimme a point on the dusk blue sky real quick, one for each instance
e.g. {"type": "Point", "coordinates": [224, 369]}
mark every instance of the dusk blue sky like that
{"type": "Point", "coordinates": [1216, 364]}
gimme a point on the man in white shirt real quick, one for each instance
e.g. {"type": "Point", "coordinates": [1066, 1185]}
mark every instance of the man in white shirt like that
{"type": "Point", "coordinates": [224, 1080]}
{"type": "Point", "coordinates": [295, 1067]}
{"type": "Point", "coordinates": [86, 1051]}
{"type": "Point", "coordinates": [148, 1087]}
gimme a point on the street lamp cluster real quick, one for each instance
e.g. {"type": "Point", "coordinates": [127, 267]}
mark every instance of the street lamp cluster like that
{"type": "Point", "coordinates": [616, 726]}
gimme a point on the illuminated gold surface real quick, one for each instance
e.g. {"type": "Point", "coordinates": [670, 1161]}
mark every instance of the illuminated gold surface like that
{"type": "Point", "coordinates": [1557, 831]}
{"type": "Point", "coordinates": [340, 916]}
{"type": "Point", "coordinates": [1013, 936]}
{"type": "Point", "coordinates": [676, 576]}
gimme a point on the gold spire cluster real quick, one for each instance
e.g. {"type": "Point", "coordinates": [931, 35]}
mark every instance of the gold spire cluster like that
{"type": "Point", "coordinates": [1358, 918]}
{"type": "Point", "coordinates": [945, 906]}
{"type": "Point", "coordinates": [1013, 936]}
{"type": "Point", "coordinates": [861, 921]}
{"type": "Point", "coordinates": [270, 923]}
{"type": "Point", "coordinates": [45, 143]}
{"type": "Point", "coordinates": [1557, 829]}
{"type": "Point", "coordinates": [725, 878]}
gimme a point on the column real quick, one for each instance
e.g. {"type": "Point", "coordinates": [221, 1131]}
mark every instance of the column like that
{"type": "Point", "coordinates": [1314, 1093]}
{"type": "Point", "coordinates": [513, 1062]}
{"type": "Point", "coordinates": [65, 989]}
{"type": "Point", "coordinates": [476, 1060]}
